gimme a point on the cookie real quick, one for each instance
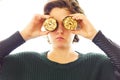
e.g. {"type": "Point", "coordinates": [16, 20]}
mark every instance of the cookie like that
{"type": "Point", "coordinates": [69, 23]}
{"type": "Point", "coordinates": [50, 24]}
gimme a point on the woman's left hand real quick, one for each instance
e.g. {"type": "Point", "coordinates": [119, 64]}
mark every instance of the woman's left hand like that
{"type": "Point", "coordinates": [86, 30]}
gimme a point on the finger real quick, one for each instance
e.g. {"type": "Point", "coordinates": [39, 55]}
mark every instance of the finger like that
{"type": "Point", "coordinates": [75, 31]}
{"type": "Point", "coordinates": [77, 16]}
{"type": "Point", "coordinates": [44, 32]}
{"type": "Point", "coordinates": [45, 16]}
{"type": "Point", "coordinates": [41, 17]}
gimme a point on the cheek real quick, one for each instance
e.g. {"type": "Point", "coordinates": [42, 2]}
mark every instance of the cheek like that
{"type": "Point", "coordinates": [71, 37]}
{"type": "Point", "coordinates": [50, 37]}
{"type": "Point", "coordinates": [68, 37]}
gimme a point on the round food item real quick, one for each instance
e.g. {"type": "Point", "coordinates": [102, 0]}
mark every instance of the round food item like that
{"type": "Point", "coordinates": [50, 24]}
{"type": "Point", "coordinates": [70, 23]}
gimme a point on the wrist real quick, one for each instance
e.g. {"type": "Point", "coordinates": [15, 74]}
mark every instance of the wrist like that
{"type": "Point", "coordinates": [25, 35]}
{"type": "Point", "coordinates": [93, 35]}
{"type": "Point", "coordinates": [98, 35]}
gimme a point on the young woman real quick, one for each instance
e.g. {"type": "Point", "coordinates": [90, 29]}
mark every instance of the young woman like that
{"type": "Point", "coordinates": [61, 62]}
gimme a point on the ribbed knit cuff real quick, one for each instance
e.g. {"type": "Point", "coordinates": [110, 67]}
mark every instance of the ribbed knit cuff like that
{"type": "Point", "coordinates": [98, 36]}
{"type": "Point", "coordinates": [17, 38]}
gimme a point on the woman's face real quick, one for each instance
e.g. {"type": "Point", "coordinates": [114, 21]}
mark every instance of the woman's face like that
{"type": "Point", "coordinates": [61, 37]}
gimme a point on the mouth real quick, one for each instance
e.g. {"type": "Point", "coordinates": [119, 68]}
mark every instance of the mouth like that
{"type": "Point", "coordinates": [60, 38]}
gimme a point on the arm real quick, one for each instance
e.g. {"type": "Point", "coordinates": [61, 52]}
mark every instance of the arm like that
{"type": "Point", "coordinates": [9, 44]}
{"type": "Point", "coordinates": [110, 48]}
{"type": "Point", "coordinates": [88, 31]}
{"type": "Point", "coordinates": [32, 30]}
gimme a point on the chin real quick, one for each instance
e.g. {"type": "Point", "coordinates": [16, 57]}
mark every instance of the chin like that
{"type": "Point", "coordinates": [61, 45]}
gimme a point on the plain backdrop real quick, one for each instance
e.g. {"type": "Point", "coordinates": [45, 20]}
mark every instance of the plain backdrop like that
{"type": "Point", "coordinates": [16, 14]}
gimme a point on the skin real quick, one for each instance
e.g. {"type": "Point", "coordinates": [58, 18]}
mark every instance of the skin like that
{"type": "Point", "coordinates": [61, 39]}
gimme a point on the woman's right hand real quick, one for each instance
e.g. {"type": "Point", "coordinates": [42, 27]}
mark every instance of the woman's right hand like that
{"type": "Point", "coordinates": [33, 29]}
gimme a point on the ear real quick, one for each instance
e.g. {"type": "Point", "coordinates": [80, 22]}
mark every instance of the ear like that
{"type": "Point", "coordinates": [76, 38]}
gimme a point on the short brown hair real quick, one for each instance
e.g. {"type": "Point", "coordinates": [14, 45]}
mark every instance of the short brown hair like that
{"type": "Point", "coordinates": [71, 5]}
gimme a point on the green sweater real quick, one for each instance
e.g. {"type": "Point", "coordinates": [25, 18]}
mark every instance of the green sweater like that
{"type": "Point", "coordinates": [36, 66]}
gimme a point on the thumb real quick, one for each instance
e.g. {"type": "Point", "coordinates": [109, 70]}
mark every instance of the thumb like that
{"type": "Point", "coordinates": [44, 33]}
{"type": "Point", "coordinates": [76, 32]}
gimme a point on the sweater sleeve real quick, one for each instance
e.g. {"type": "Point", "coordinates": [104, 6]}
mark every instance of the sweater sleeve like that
{"type": "Point", "coordinates": [9, 44]}
{"type": "Point", "coordinates": [106, 71]}
{"type": "Point", "coordinates": [111, 49]}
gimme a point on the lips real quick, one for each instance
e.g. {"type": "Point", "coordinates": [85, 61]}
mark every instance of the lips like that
{"type": "Point", "coordinates": [59, 38]}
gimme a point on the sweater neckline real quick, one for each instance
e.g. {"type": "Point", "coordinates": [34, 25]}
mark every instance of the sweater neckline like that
{"type": "Point", "coordinates": [58, 65]}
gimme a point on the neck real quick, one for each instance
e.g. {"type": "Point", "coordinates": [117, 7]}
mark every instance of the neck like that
{"type": "Point", "coordinates": [62, 55]}
{"type": "Point", "coordinates": [61, 51]}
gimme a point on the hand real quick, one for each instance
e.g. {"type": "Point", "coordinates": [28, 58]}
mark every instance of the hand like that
{"type": "Point", "coordinates": [86, 28]}
{"type": "Point", "coordinates": [33, 29]}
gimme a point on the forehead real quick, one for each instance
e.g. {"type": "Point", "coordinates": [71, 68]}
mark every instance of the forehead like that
{"type": "Point", "coordinates": [59, 13]}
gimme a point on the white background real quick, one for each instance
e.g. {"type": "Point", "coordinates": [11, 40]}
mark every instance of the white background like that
{"type": "Point", "coordinates": [16, 14]}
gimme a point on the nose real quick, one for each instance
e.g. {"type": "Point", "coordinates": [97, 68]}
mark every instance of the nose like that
{"type": "Point", "coordinates": [60, 29]}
